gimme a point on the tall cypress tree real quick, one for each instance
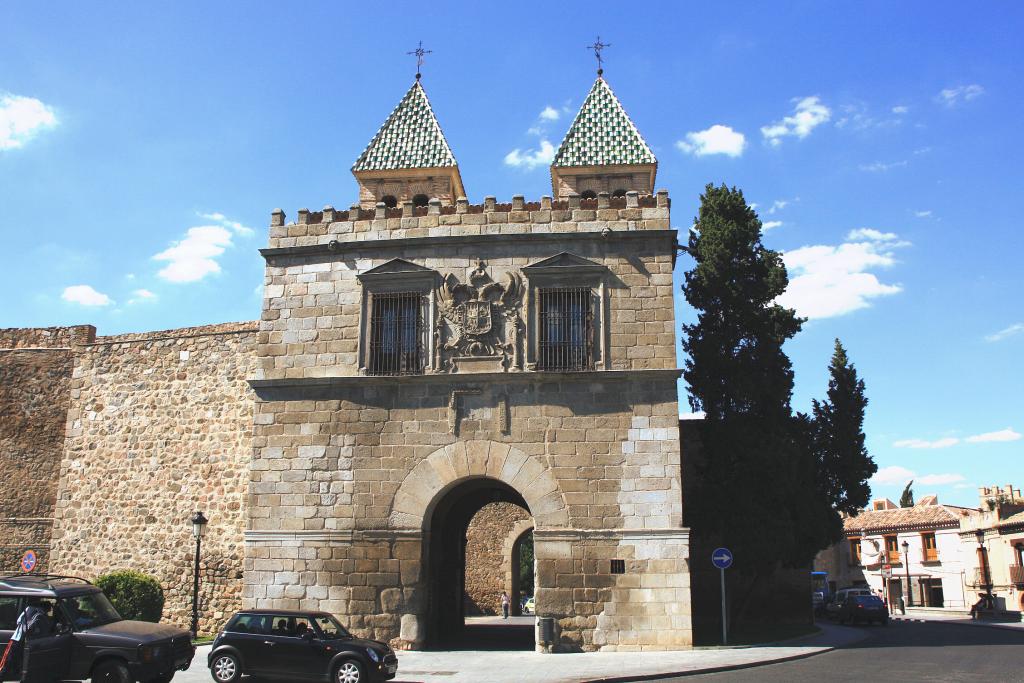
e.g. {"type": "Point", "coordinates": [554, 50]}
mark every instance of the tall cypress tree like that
{"type": "Point", "coordinates": [739, 376]}
{"type": "Point", "coordinates": [845, 465]}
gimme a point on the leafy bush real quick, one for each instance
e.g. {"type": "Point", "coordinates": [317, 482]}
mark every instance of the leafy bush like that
{"type": "Point", "coordinates": [135, 595]}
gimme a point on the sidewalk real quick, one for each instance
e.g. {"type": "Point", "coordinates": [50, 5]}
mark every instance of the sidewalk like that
{"type": "Point", "coordinates": [912, 615]}
{"type": "Point", "coordinates": [469, 666]}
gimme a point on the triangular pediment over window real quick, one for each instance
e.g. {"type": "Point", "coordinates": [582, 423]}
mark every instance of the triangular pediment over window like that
{"type": "Point", "coordinates": [397, 268]}
{"type": "Point", "coordinates": [564, 262]}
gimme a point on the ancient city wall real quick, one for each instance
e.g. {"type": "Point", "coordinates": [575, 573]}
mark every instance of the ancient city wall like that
{"type": "Point", "coordinates": [489, 559]}
{"type": "Point", "coordinates": [159, 426]}
{"type": "Point", "coordinates": [35, 380]}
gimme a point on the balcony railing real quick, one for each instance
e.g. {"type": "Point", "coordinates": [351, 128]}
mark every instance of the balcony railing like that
{"type": "Point", "coordinates": [1017, 574]}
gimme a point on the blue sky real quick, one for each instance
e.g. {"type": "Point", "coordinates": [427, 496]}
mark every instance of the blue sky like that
{"type": "Point", "coordinates": [143, 147]}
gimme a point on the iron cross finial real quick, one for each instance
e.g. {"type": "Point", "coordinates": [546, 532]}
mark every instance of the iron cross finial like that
{"type": "Point", "coordinates": [419, 52]}
{"type": "Point", "coordinates": [597, 47]}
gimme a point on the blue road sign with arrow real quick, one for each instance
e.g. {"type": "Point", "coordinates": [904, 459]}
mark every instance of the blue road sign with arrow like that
{"type": "Point", "coordinates": [722, 558]}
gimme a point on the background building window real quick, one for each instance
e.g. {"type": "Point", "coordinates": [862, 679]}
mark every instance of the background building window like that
{"type": "Point", "coordinates": [855, 552]}
{"type": "Point", "coordinates": [397, 334]}
{"type": "Point", "coordinates": [566, 336]}
{"type": "Point", "coordinates": [931, 551]}
{"type": "Point", "coordinates": [892, 549]}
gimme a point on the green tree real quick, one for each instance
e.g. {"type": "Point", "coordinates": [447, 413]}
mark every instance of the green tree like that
{"type": "Point", "coordinates": [907, 498]}
{"type": "Point", "coordinates": [756, 478]}
{"type": "Point", "coordinates": [844, 464]}
{"type": "Point", "coordinates": [135, 595]}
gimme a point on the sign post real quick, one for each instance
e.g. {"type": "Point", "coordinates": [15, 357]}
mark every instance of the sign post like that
{"type": "Point", "coordinates": [722, 558]}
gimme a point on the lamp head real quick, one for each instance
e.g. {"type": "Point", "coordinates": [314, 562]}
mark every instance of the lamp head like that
{"type": "Point", "coordinates": [199, 523]}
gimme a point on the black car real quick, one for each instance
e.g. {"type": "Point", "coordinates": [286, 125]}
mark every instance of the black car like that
{"type": "Point", "coordinates": [83, 636]}
{"type": "Point", "coordinates": [297, 646]}
{"type": "Point", "coordinates": [863, 609]}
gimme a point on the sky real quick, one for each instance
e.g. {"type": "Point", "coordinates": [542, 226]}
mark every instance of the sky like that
{"type": "Point", "coordinates": [143, 147]}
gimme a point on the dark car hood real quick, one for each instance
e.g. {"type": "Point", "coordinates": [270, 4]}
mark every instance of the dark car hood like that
{"type": "Point", "coordinates": [363, 642]}
{"type": "Point", "coordinates": [138, 631]}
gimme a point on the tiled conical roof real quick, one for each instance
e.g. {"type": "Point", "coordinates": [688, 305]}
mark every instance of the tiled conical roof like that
{"type": "Point", "coordinates": [602, 134]}
{"type": "Point", "coordinates": [410, 138]}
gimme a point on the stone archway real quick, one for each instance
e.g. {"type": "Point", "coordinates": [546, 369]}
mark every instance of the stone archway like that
{"type": "Point", "coordinates": [447, 467]}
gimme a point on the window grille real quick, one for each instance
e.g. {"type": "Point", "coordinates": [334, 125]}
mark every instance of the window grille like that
{"type": "Point", "coordinates": [397, 334]}
{"type": "Point", "coordinates": [618, 567]}
{"type": "Point", "coordinates": [566, 336]}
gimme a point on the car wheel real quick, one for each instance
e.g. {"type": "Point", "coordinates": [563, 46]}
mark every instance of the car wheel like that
{"type": "Point", "coordinates": [349, 671]}
{"type": "Point", "coordinates": [225, 668]}
{"type": "Point", "coordinates": [111, 671]}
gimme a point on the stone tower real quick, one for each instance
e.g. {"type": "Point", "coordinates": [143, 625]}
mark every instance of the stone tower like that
{"type": "Point", "coordinates": [603, 151]}
{"type": "Point", "coordinates": [417, 363]}
{"type": "Point", "coordinates": [408, 159]}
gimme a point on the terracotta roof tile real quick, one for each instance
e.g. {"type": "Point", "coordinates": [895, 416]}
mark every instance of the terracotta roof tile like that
{"type": "Point", "coordinates": [919, 516]}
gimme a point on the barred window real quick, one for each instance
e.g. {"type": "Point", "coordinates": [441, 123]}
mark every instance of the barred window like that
{"type": "Point", "coordinates": [566, 336]}
{"type": "Point", "coordinates": [397, 334]}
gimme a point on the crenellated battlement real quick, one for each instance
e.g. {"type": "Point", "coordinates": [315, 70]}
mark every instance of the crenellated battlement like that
{"type": "Point", "coordinates": [574, 214]}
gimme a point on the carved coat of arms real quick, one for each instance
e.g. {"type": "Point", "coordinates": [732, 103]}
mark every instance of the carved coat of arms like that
{"type": "Point", "coordinates": [480, 318]}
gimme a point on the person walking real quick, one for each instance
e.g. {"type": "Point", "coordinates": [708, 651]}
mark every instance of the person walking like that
{"type": "Point", "coordinates": [504, 604]}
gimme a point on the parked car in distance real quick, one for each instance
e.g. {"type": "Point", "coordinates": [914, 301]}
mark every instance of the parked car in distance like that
{"type": "Point", "coordinates": [863, 609]}
{"type": "Point", "coordinates": [297, 646]}
{"type": "Point", "coordinates": [529, 606]}
{"type": "Point", "coordinates": [832, 608]}
{"type": "Point", "coordinates": [84, 636]}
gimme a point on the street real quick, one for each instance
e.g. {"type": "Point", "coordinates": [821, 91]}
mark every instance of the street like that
{"type": "Point", "coordinates": [902, 651]}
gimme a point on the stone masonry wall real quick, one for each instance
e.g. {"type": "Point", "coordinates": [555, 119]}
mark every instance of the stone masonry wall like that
{"type": "Point", "coordinates": [35, 382]}
{"type": "Point", "coordinates": [159, 426]}
{"type": "Point", "coordinates": [487, 558]}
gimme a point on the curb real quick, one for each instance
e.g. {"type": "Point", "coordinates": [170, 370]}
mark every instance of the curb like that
{"type": "Point", "coordinates": [733, 667]}
{"type": "Point", "coordinates": [951, 622]}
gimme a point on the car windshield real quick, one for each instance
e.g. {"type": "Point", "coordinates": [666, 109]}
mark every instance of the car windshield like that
{"type": "Point", "coordinates": [90, 610]}
{"type": "Point", "coordinates": [330, 627]}
{"type": "Point", "coordinates": [869, 600]}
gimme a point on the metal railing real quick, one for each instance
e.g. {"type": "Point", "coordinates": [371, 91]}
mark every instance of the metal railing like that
{"type": "Point", "coordinates": [566, 336]}
{"type": "Point", "coordinates": [397, 339]}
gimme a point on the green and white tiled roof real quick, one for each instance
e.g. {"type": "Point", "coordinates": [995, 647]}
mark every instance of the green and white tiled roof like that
{"type": "Point", "coordinates": [410, 138]}
{"type": "Point", "coordinates": [602, 134]}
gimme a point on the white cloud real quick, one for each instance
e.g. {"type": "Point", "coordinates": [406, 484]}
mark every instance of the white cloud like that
{"type": "Point", "coordinates": [549, 113]}
{"type": "Point", "coordinates": [900, 109]}
{"type": "Point", "coordinates": [84, 295]}
{"type": "Point", "coordinates": [778, 205]}
{"type": "Point", "coordinates": [959, 94]}
{"type": "Point", "coordinates": [808, 114]}
{"type": "Point", "coordinates": [922, 214]}
{"type": "Point", "coordinates": [827, 281]}
{"type": "Point", "coordinates": [21, 119]}
{"type": "Point", "coordinates": [940, 479]}
{"type": "Point", "coordinates": [693, 416]}
{"type": "Point", "coordinates": [142, 295]}
{"type": "Point", "coordinates": [921, 443]}
{"type": "Point", "coordinates": [892, 475]}
{"type": "Point", "coordinates": [530, 159]}
{"type": "Point", "coordinates": [194, 257]}
{"type": "Point", "coordinates": [768, 225]}
{"type": "Point", "coordinates": [717, 139]}
{"type": "Point", "coordinates": [1002, 334]}
{"type": "Point", "coordinates": [882, 166]}
{"type": "Point", "coordinates": [235, 226]}
{"type": "Point", "coordinates": [989, 437]}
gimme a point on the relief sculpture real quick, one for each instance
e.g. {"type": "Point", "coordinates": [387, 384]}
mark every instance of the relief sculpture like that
{"type": "Point", "coordinates": [479, 323]}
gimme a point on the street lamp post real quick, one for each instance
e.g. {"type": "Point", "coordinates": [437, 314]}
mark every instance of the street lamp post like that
{"type": "Point", "coordinates": [985, 576]}
{"type": "Point", "coordinates": [906, 563]}
{"type": "Point", "coordinates": [199, 523]}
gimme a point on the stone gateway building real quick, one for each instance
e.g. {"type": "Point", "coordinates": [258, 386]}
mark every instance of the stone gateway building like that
{"type": "Point", "coordinates": [418, 359]}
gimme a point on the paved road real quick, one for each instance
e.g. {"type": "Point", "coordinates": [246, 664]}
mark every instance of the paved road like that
{"type": "Point", "coordinates": [902, 651]}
